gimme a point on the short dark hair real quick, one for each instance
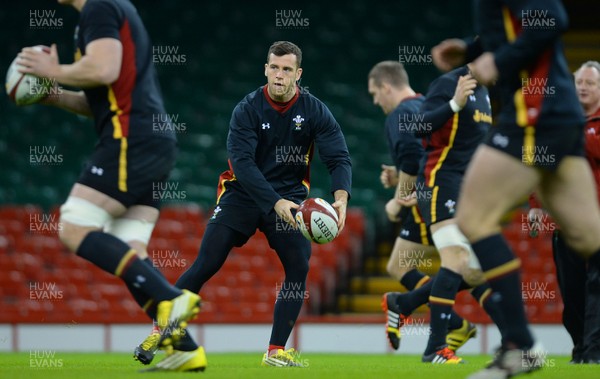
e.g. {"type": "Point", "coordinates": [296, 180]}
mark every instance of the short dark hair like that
{"type": "Point", "coordinates": [391, 72]}
{"type": "Point", "coordinates": [281, 48]}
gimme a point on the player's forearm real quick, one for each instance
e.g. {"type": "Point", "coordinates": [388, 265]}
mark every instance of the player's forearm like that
{"type": "Point", "coordinates": [410, 155]}
{"type": "Point", "coordinates": [86, 73]}
{"type": "Point", "coordinates": [336, 158]}
{"type": "Point", "coordinates": [341, 178]}
{"type": "Point", "coordinates": [406, 184]}
{"type": "Point", "coordinates": [72, 101]}
{"type": "Point", "coordinates": [435, 119]}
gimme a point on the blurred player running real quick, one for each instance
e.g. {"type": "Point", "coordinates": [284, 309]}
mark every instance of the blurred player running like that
{"type": "Point", "coordinates": [522, 55]}
{"type": "Point", "coordinates": [455, 117]}
{"type": "Point", "coordinates": [264, 184]}
{"type": "Point", "coordinates": [110, 213]}
{"type": "Point", "coordinates": [390, 88]}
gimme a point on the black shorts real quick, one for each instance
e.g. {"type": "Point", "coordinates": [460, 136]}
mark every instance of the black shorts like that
{"type": "Point", "coordinates": [241, 219]}
{"type": "Point", "coordinates": [246, 220]}
{"type": "Point", "coordinates": [132, 171]}
{"type": "Point", "coordinates": [542, 147]}
{"type": "Point", "coordinates": [438, 203]}
{"type": "Point", "coordinates": [413, 227]}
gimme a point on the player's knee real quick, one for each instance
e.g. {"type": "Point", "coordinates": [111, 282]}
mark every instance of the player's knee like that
{"type": "Point", "coordinates": [72, 235]}
{"type": "Point", "coordinates": [64, 234]}
{"type": "Point", "coordinates": [475, 225]}
{"type": "Point", "coordinates": [455, 250]}
{"type": "Point", "coordinates": [77, 218]}
{"type": "Point", "coordinates": [454, 258]}
{"type": "Point", "coordinates": [134, 232]}
{"type": "Point", "coordinates": [298, 272]}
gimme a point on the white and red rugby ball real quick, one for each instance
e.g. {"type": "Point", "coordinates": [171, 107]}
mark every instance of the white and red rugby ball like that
{"type": "Point", "coordinates": [26, 89]}
{"type": "Point", "coordinates": [317, 220]}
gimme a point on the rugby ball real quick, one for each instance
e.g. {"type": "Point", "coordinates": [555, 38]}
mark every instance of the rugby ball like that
{"type": "Point", "coordinates": [317, 220]}
{"type": "Point", "coordinates": [26, 89]}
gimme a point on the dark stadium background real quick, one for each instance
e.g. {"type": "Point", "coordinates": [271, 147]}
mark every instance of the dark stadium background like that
{"type": "Point", "coordinates": [225, 45]}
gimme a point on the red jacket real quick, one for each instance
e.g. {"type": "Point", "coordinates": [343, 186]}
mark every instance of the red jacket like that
{"type": "Point", "coordinates": [592, 146]}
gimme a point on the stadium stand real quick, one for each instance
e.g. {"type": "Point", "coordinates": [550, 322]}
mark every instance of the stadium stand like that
{"type": "Point", "coordinates": [223, 62]}
{"type": "Point", "coordinates": [42, 282]}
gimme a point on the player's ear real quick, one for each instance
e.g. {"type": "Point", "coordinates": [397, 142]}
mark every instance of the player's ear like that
{"type": "Point", "coordinates": [386, 87]}
{"type": "Point", "coordinates": [298, 73]}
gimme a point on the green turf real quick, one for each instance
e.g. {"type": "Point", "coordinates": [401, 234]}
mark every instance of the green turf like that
{"type": "Point", "coordinates": [329, 366]}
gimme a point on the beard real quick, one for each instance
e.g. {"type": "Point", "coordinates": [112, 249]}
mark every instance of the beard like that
{"type": "Point", "coordinates": [284, 92]}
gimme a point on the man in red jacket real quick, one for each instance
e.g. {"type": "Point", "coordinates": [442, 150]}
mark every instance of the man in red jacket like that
{"type": "Point", "coordinates": [587, 83]}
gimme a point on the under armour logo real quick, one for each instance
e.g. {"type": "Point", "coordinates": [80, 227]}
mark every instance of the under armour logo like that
{"type": "Point", "coordinates": [404, 233]}
{"type": "Point", "coordinates": [266, 126]}
{"type": "Point", "coordinates": [97, 171]}
{"type": "Point", "coordinates": [500, 140]}
{"type": "Point", "coordinates": [139, 279]}
{"type": "Point", "coordinates": [445, 315]}
{"type": "Point", "coordinates": [472, 98]}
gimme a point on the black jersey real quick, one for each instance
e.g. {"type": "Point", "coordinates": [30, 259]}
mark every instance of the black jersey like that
{"type": "Point", "coordinates": [452, 138]}
{"type": "Point", "coordinates": [270, 150]}
{"type": "Point", "coordinates": [406, 150]}
{"type": "Point", "coordinates": [130, 106]}
{"type": "Point", "coordinates": [535, 85]}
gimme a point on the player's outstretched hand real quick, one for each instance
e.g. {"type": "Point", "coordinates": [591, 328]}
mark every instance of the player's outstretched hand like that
{"type": "Point", "coordinates": [484, 69]}
{"type": "Point", "coordinates": [283, 208]}
{"type": "Point", "coordinates": [389, 176]}
{"type": "Point", "coordinates": [449, 54]}
{"type": "Point", "coordinates": [464, 88]}
{"type": "Point", "coordinates": [39, 63]}
{"type": "Point", "coordinates": [408, 201]}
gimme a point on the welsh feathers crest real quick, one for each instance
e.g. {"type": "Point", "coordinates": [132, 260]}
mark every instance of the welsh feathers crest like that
{"type": "Point", "coordinates": [298, 120]}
